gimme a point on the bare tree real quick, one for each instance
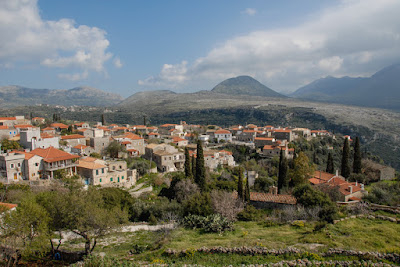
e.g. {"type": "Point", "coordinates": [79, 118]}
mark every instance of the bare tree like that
{"type": "Point", "coordinates": [185, 189]}
{"type": "Point", "coordinates": [225, 204]}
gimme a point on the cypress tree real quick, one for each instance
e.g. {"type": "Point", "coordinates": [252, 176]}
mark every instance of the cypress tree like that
{"type": "Point", "coordinates": [240, 183]}
{"type": "Point", "coordinates": [282, 172]}
{"type": "Point", "coordinates": [329, 165]}
{"type": "Point", "coordinates": [247, 191]}
{"type": "Point", "coordinates": [345, 171]}
{"type": "Point", "coordinates": [200, 178]}
{"type": "Point", "coordinates": [103, 119]}
{"type": "Point", "coordinates": [193, 166]}
{"type": "Point", "coordinates": [188, 169]}
{"type": "Point", "coordinates": [357, 156]}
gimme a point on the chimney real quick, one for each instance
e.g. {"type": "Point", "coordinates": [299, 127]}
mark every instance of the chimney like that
{"type": "Point", "coordinates": [356, 183]}
{"type": "Point", "coordinates": [351, 189]}
{"type": "Point", "coordinates": [273, 190]}
{"type": "Point", "coordinates": [337, 172]}
{"type": "Point", "coordinates": [362, 186]}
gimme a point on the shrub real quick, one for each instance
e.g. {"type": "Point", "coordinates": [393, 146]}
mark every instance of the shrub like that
{"type": "Point", "coordinates": [225, 204]}
{"type": "Point", "coordinates": [198, 204]}
{"type": "Point", "coordinates": [250, 213]}
{"type": "Point", "coordinates": [214, 223]}
{"type": "Point", "coordinates": [298, 224]}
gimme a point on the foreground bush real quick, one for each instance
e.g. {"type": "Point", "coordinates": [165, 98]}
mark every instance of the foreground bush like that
{"type": "Point", "coordinates": [214, 223]}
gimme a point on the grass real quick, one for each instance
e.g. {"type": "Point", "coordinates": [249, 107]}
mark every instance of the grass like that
{"type": "Point", "coordinates": [355, 234]}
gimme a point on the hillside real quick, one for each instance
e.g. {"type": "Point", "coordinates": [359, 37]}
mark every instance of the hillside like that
{"type": "Point", "coordinates": [380, 90]}
{"type": "Point", "coordinates": [244, 85]}
{"type": "Point", "coordinates": [80, 96]}
{"type": "Point", "coordinates": [147, 96]}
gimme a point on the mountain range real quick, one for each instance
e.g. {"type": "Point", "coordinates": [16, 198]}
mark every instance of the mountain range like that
{"type": "Point", "coordinates": [380, 90]}
{"type": "Point", "coordinates": [81, 96]}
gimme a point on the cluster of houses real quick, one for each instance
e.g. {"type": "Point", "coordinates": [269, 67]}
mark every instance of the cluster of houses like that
{"type": "Point", "coordinates": [48, 150]}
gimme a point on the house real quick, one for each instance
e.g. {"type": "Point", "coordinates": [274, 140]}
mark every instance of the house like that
{"type": "Point", "coordinates": [153, 135]}
{"type": "Point", "coordinates": [270, 200]}
{"type": "Point", "coordinates": [7, 132]}
{"type": "Point", "coordinates": [32, 167]}
{"type": "Point", "coordinates": [82, 150]}
{"type": "Point", "coordinates": [214, 158]}
{"type": "Point", "coordinates": [179, 141]}
{"type": "Point", "coordinates": [32, 138]}
{"type": "Point", "coordinates": [246, 136]}
{"type": "Point", "coordinates": [74, 139]}
{"type": "Point", "coordinates": [302, 132]}
{"type": "Point", "coordinates": [7, 207]}
{"type": "Point", "coordinates": [38, 120]}
{"type": "Point", "coordinates": [260, 142]}
{"type": "Point", "coordinates": [49, 130]}
{"type": "Point", "coordinates": [81, 125]}
{"type": "Point", "coordinates": [11, 167]}
{"type": "Point", "coordinates": [131, 141]}
{"type": "Point", "coordinates": [223, 135]}
{"type": "Point", "coordinates": [283, 134]}
{"type": "Point", "coordinates": [349, 191]}
{"type": "Point", "coordinates": [11, 121]}
{"type": "Point", "coordinates": [315, 133]}
{"type": "Point", "coordinates": [105, 172]}
{"type": "Point", "coordinates": [167, 157]}
{"type": "Point", "coordinates": [99, 143]}
{"type": "Point", "coordinates": [59, 126]}
{"type": "Point", "coordinates": [55, 160]}
{"type": "Point", "coordinates": [275, 150]}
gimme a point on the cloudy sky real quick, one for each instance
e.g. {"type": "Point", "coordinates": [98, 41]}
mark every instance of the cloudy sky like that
{"type": "Point", "coordinates": [128, 46]}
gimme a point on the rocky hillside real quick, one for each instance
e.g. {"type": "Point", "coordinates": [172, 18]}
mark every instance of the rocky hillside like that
{"type": "Point", "coordinates": [82, 96]}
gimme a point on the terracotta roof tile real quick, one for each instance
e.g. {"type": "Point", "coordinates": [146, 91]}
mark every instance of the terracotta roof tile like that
{"type": "Point", "coordinates": [52, 154]}
{"type": "Point", "coordinates": [72, 136]}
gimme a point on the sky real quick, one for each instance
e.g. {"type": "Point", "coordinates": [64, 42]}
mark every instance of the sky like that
{"type": "Point", "coordinates": [127, 46]}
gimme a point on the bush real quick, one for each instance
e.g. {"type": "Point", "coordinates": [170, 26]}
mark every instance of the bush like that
{"type": "Point", "coordinates": [214, 223]}
{"type": "Point", "coordinates": [250, 213]}
{"type": "Point", "coordinates": [298, 224]}
{"type": "Point", "coordinates": [198, 204]}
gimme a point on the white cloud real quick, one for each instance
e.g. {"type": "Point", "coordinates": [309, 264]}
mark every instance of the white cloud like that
{"type": "Point", "coordinates": [27, 38]}
{"type": "Point", "coordinates": [74, 77]}
{"type": "Point", "coordinates": [249, 11]}
{"type": "Point", "coordinates": [171, 75]}
{"type": "Point", "coordinates": [356, 37]}
{"type": "Point", "coordinates": [117, 63]}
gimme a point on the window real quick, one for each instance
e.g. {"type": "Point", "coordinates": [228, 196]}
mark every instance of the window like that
{"type": "Point", "coordinates": [19, 164]}
{"type": "Point", "coordinates": [12, 166]}
{"type": "Point", "coordinates": [36, 164]}
{"type": "Point", "coordinates": [120, 166]}
{"type": "Point", "coordinates": [97, 172]}
{"type": "Point", "coordinates": [113, 168]}
{"type": "Point", "coordinates": [111, 179]}
{"type": "Point", "coordinates": [100, 180]}
{"type": "Point", "coordinates": [102, 170]}
{"type": "Point", "coordinates": [122, 177]}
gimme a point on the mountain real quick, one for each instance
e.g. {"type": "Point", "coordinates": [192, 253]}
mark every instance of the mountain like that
{"type": "Point", "coordinates": [380, 90]}
{"type": "Point", "coordinates": [81, 96]}
{"type": "Point", "coordinates": [147, 96]}
{"type": "Point", "coordinates": [244, 85]}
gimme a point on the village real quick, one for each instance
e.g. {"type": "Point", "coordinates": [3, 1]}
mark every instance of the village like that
{"type": "Point", "coordinates": [48, 151]}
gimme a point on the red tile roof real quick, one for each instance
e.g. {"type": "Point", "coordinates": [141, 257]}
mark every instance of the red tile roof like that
{"type": "Point", "coordinates": [52, 154]}
{"type": "Point", "coordinates": [177, 139]}
{"type": "Point", "coordinates": [72, 136]}
{"type": "Point", "coordinates": [59, 125]}
{"type": "Point", "coordinates": [3, 127]}
{"type": "Point", "coordinates": [7, 118]}
{"type": "Point", "coordinates": [23, 126]}
{"type": "Point", "coordinates": [222, 131]}
{"type": "Point", "coordinates": [8, 206]}
{"type": "Point", "coordinates": [80, 146]}
{"type": "Point", "coordinates": [264, 138]}
{"type": "Point", "coordinates": [48, 129]}
{"type": "Point", "coordinates": [133, 136]}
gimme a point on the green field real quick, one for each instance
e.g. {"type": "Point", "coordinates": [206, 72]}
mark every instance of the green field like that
{"type": "Point", "coordinates": [351, 234]}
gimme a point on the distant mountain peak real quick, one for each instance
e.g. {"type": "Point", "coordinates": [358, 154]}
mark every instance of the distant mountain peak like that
{"type": "Point", "coordinates": [244, 85]}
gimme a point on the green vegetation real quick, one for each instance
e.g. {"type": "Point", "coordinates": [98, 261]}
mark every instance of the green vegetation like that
{"type": "Point", "coordinates": [345, 167]}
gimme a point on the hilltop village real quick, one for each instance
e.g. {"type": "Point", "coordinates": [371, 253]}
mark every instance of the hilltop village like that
{"type": "Point", "coordinates": [98, 153]}
{"type": "Point", "coordinates": [94, 183]}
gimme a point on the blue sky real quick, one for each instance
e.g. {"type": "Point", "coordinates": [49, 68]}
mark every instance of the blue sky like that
{"type": "Point", "coordinates": [129, 46]}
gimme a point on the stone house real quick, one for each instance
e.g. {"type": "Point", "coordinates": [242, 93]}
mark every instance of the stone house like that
{"type": "Point", "coordinates": [167, 157]}
{"type": "Point", "coordinates": [271, 151]}
{"type": "Point", "coordinates": [179, 141]}
{"type": "Point", "coordinates": [224, 135]}
{"type": "Point", "coordinates": [55, 160]}
{"type": "Point", "coordinates": [32, 138]}
{"type": "Point", "coordinates": [82, 150]}
{"type": "Point", "coordinates": [260, 142]}
{"type": "Point", "coordinates": [11, 167]}
{"type": "Point", "coordinates": [99, 143]}
{"type": "Point", "coordinates": [283, 134]}
{"type": "Point", "coordinates": [59, 126]}
{"type": "Point", "coordinates": [74, 139]}
{"type": "Point", "coordinates": [7, 132]}
{"type": "Point", "coordinates": [246, 136]}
